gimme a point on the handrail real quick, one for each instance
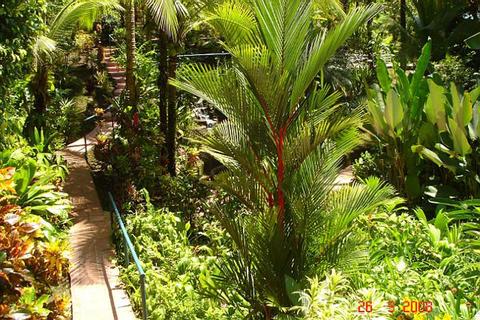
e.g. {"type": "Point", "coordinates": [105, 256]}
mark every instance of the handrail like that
{"type": "Point", "coordinates": [200, 55]}
{"type": "Point", "coordinates": [129, 247]}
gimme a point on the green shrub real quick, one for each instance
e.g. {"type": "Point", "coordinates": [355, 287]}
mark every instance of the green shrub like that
{"type": "Point", "coordinates": [173, 268]}
{"type": "Point", "coordinates": [455, 69]}
{"type": "Point", "coordinates": [367, 165]}
{"type": "Point", "coordinates": [427, 133]}
{"type": "Point", "coordinates": [422, 261]}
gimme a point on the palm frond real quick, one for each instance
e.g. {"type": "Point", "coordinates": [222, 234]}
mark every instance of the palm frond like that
{"type": "Point", "coordinates": [325, 45]}
{"type": "Point", "coordinates": [43, 50]}
{"type": "Point", "coordinates": [80, 13]}
{"type": "Point", "coordinates": [165, 13]}
{"type": "Point", "coordinates": [236, 23]}
{"type": "Point", "coordinates": [282, 146]}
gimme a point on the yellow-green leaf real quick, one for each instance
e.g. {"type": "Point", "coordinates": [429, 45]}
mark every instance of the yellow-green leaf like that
{"type": "Point", "coordinates": [393, 110]}
{"type": "Point", "coordinates": [467, 109]}
{"type": "Point", "coordinates": [376, 120]}
{"type": "Point", "coordinates": [460, 142]}
{"type": "Point", "coordinates": [435, 106]}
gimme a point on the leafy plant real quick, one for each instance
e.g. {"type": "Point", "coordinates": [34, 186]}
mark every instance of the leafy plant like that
{"type": "Point", "coordinates": [35, 184]}
{"type": "Point", "coordinates": [367, 165]}
{"type": "Point", "coordinates": [447, 23]}
{"type": "Point", "coordinates": [65, 120]}
{"type": "Point", "coordinates": [422, 260]}
{"type": "Point", "coordinates": [174, 269]}
{"type": "Point", "coordinates": [281, 144]}
{"type": "Point", "coordinates": [28, 265]}
{"type": "Point", "coordinates": [334, 298]}
{"type": "Point", "coordinates": [395, 109]}
{"type": "Point", "coordinates": [455, 123]}
{"type": "Point", "coordinates": [459, 70]}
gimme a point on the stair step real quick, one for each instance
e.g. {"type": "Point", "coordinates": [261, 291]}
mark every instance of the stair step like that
{"type": "Point", "coordinates": [120, 85]}
{"type": "Point", "coordinates": [116, 72]}
{"type": "Point", "coordinates": [117, 92]}
{"type": "Point", "coordinates": [119, 73]}
{"type": "Point", "coordinates": [114, 66]}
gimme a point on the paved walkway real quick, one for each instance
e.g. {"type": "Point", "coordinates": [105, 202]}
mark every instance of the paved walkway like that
{"type": "Point", "coordinates": [96, 291]}
{"type": "Point", "coordinates": [95, 286]}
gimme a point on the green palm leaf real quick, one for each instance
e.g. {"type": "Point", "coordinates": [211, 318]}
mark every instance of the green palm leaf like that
{"type": "Point", "coordinates": [282, 146]}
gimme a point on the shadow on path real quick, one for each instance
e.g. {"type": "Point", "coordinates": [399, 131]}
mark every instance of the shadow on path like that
{"type": "Point", "coordinates": [96, 290]}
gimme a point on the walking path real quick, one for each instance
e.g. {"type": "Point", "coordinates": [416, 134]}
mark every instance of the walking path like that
{"type": "Point", "coordinates": [95, 286]}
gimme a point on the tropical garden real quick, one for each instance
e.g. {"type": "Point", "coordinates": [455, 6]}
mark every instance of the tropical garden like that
{"type": "Point", "coordinates": [270, 159]}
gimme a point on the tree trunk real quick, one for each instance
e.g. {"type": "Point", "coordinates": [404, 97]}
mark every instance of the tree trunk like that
{"type": "Point", "coordinates": [172, 117]}
{"type": "Point", "coordinates": [40, 90]}
{"type": "Point", "coordinates": [162, 81]}
{"type": "Point", "coordinates": [371, 47]}
{"type": "Point", "coordinates": [39, 87]}
{"type": "Point", "coordinates": [403, 18]}
{"type": "Point", "coordinates": [130, 37]}
{"type": "Point", "coordinates": [403, 32]}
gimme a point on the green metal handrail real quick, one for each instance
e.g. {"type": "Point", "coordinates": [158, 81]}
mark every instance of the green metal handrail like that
{"type": "Point", "coordinates": [128, 247]}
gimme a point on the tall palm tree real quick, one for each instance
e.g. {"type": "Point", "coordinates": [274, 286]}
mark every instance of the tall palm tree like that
{"type": "Point", "coordinates": [76, 13]}
{"type": "Point", "coordinates": [175, 19]}
{"type": "Point", "coordinates": [131, 45]}
{"type": "Point", "coordinates": [282, 145]}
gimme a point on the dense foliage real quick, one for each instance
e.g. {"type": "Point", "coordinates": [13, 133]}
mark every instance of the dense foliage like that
{"type": "Point", "coordinates": [33, 239]}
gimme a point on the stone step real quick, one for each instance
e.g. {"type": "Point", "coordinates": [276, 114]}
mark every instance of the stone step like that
{"type": "Point", "coordinates": [117, 92]}
{"type": "Point", "coordinates": [118, 78]}
{"type": "Point", "coordinates": [120, 85]}
{"type": "Point", "coordinates": [116, 74]}
{"type": "Point", "coordinates": [115, 67]}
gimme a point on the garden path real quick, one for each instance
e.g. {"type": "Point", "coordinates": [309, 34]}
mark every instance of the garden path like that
{"type": "Point", "coordinates": [96, 289]}
{"type": "Point", "coordinates": [95, 286]}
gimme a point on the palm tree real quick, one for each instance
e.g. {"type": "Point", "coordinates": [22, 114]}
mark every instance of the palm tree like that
{"type": "Point", "coordinates": [130, 42]}
{"type": "Point", "coordinates": [76, 13]}
{"type": "Point", "coordinates": [282, 145]}
{"type": "Point", "coordinates": [174, 21]}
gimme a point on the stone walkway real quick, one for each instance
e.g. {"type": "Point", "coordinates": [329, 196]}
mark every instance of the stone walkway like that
{"type": "Point", "coordinates": [95, 286]}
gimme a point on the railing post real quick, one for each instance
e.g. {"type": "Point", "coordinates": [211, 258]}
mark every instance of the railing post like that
{"type": "Point", "coordinates": [112, 112]}
{"type": "Point", "coordinates": [85, 144]}
{"type": "Point", "coordinates": [127, 258]}
{"type": "Point", "coordinates": [144, 296]}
